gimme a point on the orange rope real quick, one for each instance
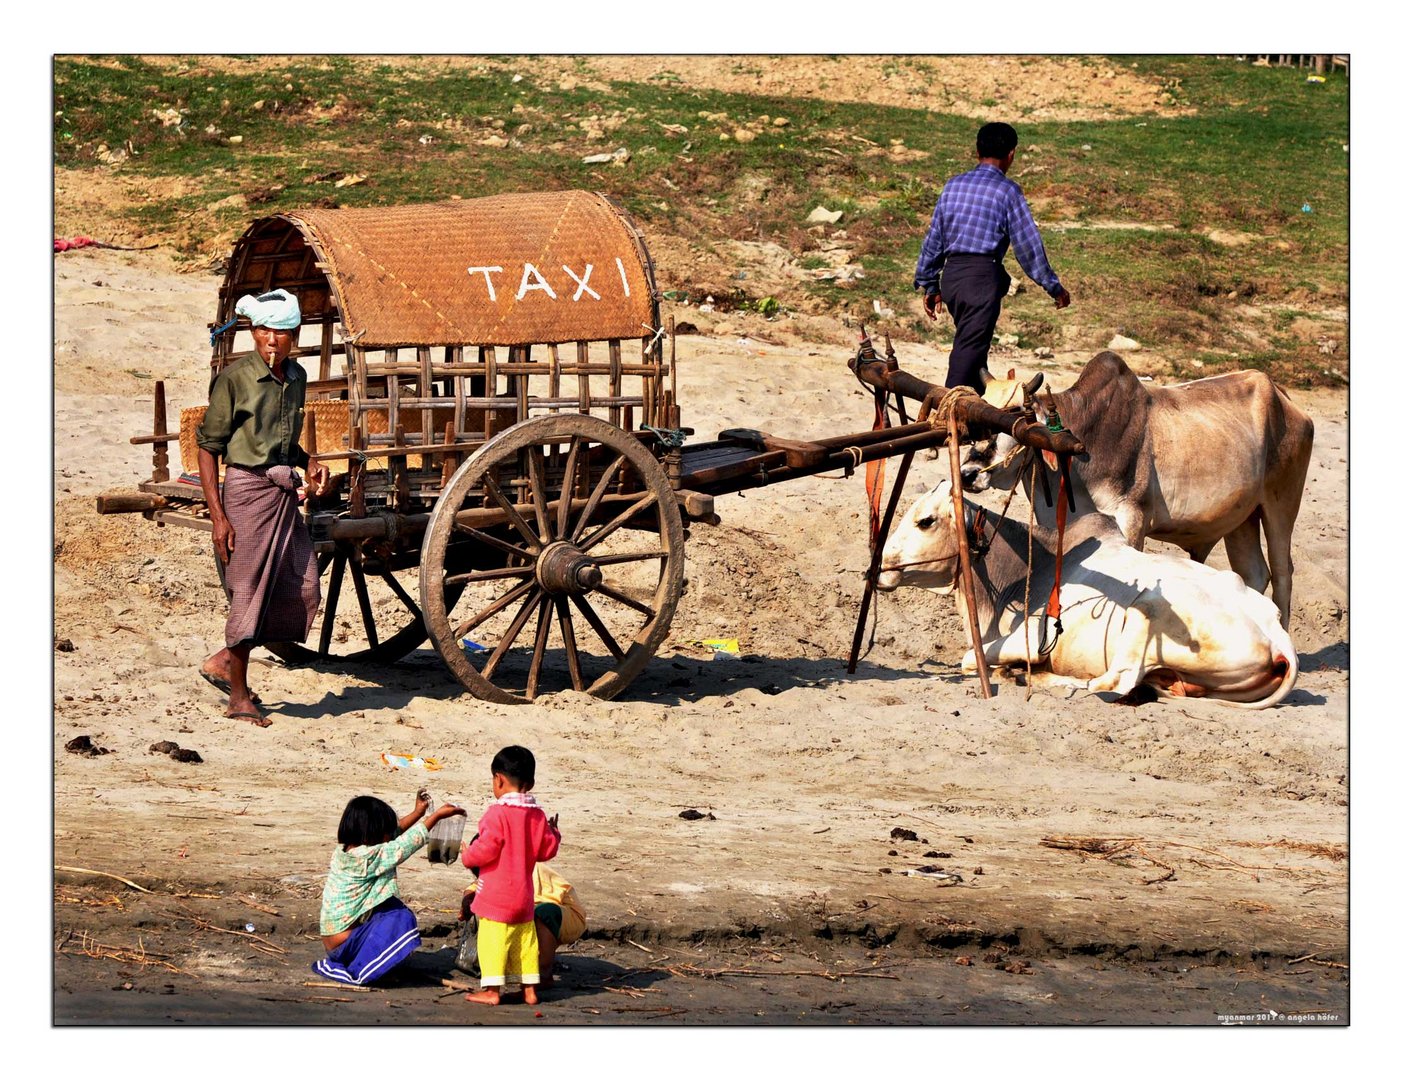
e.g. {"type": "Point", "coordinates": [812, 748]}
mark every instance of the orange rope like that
{"type": "Point", "coordinates": [1055, 602]}
{"type": "Point", "coordinates": [876, 475]}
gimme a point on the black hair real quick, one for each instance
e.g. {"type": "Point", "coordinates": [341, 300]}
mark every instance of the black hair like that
{"type": "Point", "coordinates": [995, 140]}
{"type": "Point", "coordinates": [517, 764]}
{"type": "Point", "coordinates": [366, 820]}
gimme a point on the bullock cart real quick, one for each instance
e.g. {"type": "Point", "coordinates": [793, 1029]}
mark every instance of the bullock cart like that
{"type": "Point", "coordinates": [488, 384]}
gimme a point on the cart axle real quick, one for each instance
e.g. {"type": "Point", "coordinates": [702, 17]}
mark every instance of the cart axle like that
{"type": "Point", "coordinates": [564, 570]}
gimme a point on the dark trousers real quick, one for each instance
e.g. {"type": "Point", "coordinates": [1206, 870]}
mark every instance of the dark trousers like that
{"type": "Point", "coordinates": [972, 287]}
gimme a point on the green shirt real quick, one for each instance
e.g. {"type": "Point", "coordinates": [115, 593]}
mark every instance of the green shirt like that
{"type": "Point", "coordinates": [254, 419]}
{"type": "Point", "coordinates": [363, 877]}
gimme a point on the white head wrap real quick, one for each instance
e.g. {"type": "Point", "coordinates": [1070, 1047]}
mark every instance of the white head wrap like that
{"type": "Point", "coordinates": [277, 310]}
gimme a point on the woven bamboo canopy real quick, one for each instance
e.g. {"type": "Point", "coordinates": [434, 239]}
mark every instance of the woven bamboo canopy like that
{"type": "Point", "coordinates": [508, 270]}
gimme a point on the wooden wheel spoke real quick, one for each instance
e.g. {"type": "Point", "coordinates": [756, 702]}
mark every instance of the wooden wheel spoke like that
{"type": "Point", "coordinates": [510, 509]}
{"type": "Point", "coordinates": [577, 681]}
{"type": "Point", "coordinates": [518, 621]}
{"type": "Point", "coordinates": [606, 478]}
{"type": "Point", "coordinates": [625, 599]}
{"type": "Point", "coordinates": [599, 534]}
{"type": "Point", "coordinates": [505, 600]}
{"type": "Point", "coordinates": [627, 557]}
{"type": "Point", "coordinates": [471, 577]}
{"type": "Point", "coordinates": [592, 617]}
{"type": "Point", "coordinates": [358, 578]}
{"type": "Point", "coordinates": [405, 598]}
{"type": "Point", "coordinates": [493, 541]}
{"type": "Point", "coordinates": [536, 469]}
{"type": "Point", "coordinates": [538, 650]}
{"type": "Point", "coordinates": [333, 597]}
{"type": "Point", "coordinates": [567, 488]}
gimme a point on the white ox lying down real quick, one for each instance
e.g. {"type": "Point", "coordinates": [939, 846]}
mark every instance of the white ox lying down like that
{"type": "Point", "coordinates": [1222, 458]}
{"type": "Point", "coordinates": [1130, 618]}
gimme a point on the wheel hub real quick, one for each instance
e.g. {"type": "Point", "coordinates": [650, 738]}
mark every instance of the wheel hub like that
{"type": "Point", "coordinates": [564, 570]}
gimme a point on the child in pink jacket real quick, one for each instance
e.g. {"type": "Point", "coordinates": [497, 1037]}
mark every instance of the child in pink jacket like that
{"type": "Point", "coordinates": [513, 836]}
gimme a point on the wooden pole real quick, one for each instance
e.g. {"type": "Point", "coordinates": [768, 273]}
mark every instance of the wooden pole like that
{"type": "Point", "coordinates": [357, 470]}
{"type": "Point", "coordinates": [130, 503]}
{"type": "Point", "coordinates": [967, 575]}
{"type": "Point", "coordinates": [160, 456]}
{"type": "Point", "coordinates": [875, 562]}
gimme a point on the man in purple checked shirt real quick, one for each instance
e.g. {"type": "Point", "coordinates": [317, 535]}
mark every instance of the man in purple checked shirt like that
{"type": "Point", "coordinates": [978, 216]}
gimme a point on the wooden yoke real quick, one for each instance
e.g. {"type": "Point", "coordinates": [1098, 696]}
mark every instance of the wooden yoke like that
{"type": "Point", "coordinates": [975, 414]}
{"type": "Point", "coordinates": [966, 413]}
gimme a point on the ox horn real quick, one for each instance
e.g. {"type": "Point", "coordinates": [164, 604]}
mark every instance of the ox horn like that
{"type": "Point", "coordinates": [1031, 387]}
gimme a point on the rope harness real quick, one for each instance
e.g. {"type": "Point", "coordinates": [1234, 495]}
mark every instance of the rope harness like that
{"type": "Point", "coordinates": [938, 409]}
{"type": "Point", "coordinates": [672, 438]}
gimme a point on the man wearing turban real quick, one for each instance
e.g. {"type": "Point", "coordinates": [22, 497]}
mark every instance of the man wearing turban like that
{"type": "Point", "coordinates": [264, 550]}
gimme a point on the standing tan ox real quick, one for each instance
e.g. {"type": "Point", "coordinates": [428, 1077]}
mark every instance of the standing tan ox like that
{"type": "Point", "coordinates": [1131, 619]}
{"type": "Point", "coordinates": [1190, 464]}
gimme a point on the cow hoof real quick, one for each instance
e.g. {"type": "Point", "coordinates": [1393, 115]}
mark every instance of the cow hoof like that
{"type": "Point", "coordinates": [1137, 695]}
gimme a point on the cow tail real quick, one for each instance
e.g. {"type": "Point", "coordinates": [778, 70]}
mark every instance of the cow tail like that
{"type": "Point", "coordinates": [1283, 653]}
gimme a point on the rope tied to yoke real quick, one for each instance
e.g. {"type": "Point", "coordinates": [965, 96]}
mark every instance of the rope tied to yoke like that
{"type": "Point", "coordinates": [944, 404]}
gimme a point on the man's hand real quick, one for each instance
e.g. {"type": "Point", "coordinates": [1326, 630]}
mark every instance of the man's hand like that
{"type": "Point", "coordinates": [317, 477]}
{"type": "Point", "coordinates": [1063, 299]}
{"type": "Point", "coordinates": [554, 822]}
{"type": "Point", "coordinates": [223, 538]}
{"type": "Point", "coordinates": [932, 303]}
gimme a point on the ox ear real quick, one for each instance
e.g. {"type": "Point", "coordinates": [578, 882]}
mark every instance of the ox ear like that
{"type": "Point", "coordinates": [1031, 387]}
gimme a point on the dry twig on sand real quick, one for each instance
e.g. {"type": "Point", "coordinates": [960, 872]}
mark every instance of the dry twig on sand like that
{"type": "Point", "coordinates": [341, 986]}
{"type": "Point", "coordinates": [687, 970]}
{"type": "Point", "coordinates": [256, 942]}
{"type": "Point", "coordinates": [102, 873]}
{"type": "Point", "coordinates": [1103, 846]}
{"type": "Point", "coordinates": [1113, 848]}
{"type": "Point", "coordinates": [659, 1010]}
{"type": "Point", "coordinates": [68, 898]}
{"type": "Point", "coordinates": [97, 950]}
{"type": "Point", "coordinates": [1334, 852]}
{"type": "Point", "coordinates": [1120, 847]}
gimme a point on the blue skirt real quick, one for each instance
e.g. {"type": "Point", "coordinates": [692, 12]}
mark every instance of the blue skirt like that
{"type": "Point", "coordinates": [374, 947]}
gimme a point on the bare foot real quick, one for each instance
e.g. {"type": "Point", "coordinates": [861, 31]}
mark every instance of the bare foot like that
{"type": "Point", "coordinates": [215, 671]}
{"type": "Point", "coordinates": [248, 711]}
{"type": "Point", "coordinates": [529, 994]}
{"type": "Point", "coordinates": [485, 997]}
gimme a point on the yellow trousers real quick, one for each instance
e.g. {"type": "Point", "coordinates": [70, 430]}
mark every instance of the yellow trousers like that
{"type": "Point", "coordinates": [508, 954]}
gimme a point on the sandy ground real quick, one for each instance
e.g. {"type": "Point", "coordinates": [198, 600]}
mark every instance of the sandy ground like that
{"type": "Point", "coordinates": [806, 770]}
{"type": "Point", "coordinates": [1037, 87]}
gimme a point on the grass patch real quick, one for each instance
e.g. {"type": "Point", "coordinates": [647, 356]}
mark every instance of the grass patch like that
{"type": "Point", "coordinates": [1230, 180]}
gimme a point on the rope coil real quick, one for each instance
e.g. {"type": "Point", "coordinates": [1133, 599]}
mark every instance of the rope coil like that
{"type": "Point", "coordinates": [946, 406]}
{"type": "Point", "coordinates": [672, 438]}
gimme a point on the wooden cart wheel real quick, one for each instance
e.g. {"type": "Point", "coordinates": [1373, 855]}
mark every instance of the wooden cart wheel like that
{"type": "Point", "coordinates": [574, 599]}
{"type": "Point", "coordinates": [368, 615]}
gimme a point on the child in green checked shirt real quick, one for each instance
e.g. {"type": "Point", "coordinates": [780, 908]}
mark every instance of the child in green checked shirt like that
{"type": "Point", "coordinates": [366, 928]}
